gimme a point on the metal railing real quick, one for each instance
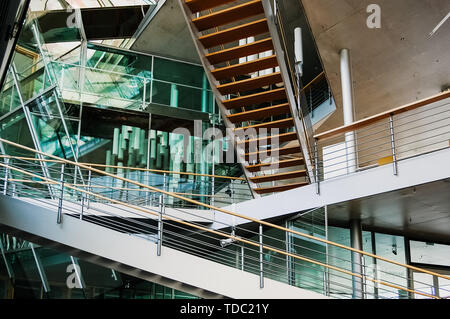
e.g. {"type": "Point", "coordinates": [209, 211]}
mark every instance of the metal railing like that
{"type": "Point", "coordinates": [317, 92]}
{"type": "Point", "coordinates": [268, 250]}
{"type": "Point", "coordinates": [213, 189]}
{"type": "Point", "coordinates": [386, 138]}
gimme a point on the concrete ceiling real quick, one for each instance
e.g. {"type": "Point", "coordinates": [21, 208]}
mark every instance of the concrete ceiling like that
{"type": "Point", "coordinates": [391, 66]}
{"type": "Point", "coordinates": [421, 212]}
{"type": "Point", "coordinates": [167, 35]}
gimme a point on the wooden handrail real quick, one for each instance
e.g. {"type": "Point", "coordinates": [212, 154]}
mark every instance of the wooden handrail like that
{"type": "Point", "coordinates": [233, 237]}
{"type": "Point", "coordinates": [375, 118]}
{"type": "Point", "coordinates": [321, 75]}
{"type": "Point", "coordinates": [126, 168]}
{"type": "Point", "coordinates": [251, 219]}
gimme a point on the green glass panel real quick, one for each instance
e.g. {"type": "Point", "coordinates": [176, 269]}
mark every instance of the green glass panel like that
{"type": "Point", "coordinates": [393, 248]}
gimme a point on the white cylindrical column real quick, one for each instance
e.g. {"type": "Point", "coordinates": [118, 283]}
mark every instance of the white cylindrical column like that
{"type": "Point", "coordinates": [347, 106]}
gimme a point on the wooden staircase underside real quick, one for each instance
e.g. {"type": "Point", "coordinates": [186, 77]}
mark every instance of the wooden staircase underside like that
{"type": "Point", "coordinates": [252, 93]}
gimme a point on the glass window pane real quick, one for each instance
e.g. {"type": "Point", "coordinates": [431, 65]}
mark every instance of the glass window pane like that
{"type": "Point", "coordinates": [391, 247]}
{"type": "Point", "coordinates": [430, 253]}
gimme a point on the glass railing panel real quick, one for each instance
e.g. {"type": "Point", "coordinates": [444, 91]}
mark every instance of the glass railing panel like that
{"type": "Point", "coordinates": [182, 96]}
{"type": "Point", "coordinates": [14, 127]}
{"type": "Point", "coordinates": [181, 73]}
{"type": "Point", "coordinates": [102, 88]}
{"type": "Point", "coordinates": [116, 60]}
{"type": "Point", "coordinates": [9, 98]}
{"type": "Point", "coordinates": [56, 135]}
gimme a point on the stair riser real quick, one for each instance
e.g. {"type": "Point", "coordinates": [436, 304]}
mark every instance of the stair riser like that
{"type": "Point", "coordinates": [275, 166]}
{"type": "Point", "coordinates": [235, 34]}
{"type": "Point", "coordinates": [229, 15]}
{"type": "Point", "coordinates": [267, 141]}
{"type": "Point", "coordinates": [265, 97]}
{"type": "Point", "coordinates": [278, 188]}
{"type": "Point", "coordinates": [248, 85]}
{"type": "Point", "coordinates": [259, 114]}
{"type": "Point", "coordinates": [245, 69]}
{"type": "Point", "coordinates": [269, 125]}
{"type": "Point", "coordinates": [276, 153]}
{"type": "Point", "coordinates": [267, 179]}
{"type": "Point", "coordinates": [240, 51]}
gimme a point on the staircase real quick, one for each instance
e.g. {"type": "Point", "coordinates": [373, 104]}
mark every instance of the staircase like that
{"type": "Point", "coordinates": [240, 50]}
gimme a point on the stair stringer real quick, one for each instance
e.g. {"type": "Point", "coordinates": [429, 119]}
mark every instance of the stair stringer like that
{"type": "Point", "coordinates": [279, 52]}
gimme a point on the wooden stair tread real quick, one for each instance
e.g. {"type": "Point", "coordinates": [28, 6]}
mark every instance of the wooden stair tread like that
{"type": "Point", "coordinates": [284, 123]}
{"type": "Point", "coordinates": [240, 51]}
{"type": "Point", "coordinates": [260, 113]}
{"type": "Point", "coordinates": [254, 99]}
{"type": "Point", "coordinates": [245, 68]}
{"type": "Point", "coordinates": [234, 34]}
{"type": "Point", "coordinates": [285, 137]}
{"type": "Point", "coordinates": [279, 188]}
{"type": "Point", "coordinates": [287, 150]}
{"type": "Point", "coordinates": [229, 15]}
{"type": "Point", "coordinates": [278, 176]}
{"type": "Point", "coordinates": [250, 84]}
{"type": "Point", "coordinates": [278, 164]}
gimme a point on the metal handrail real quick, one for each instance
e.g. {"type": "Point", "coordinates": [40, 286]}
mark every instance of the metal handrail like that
{"type": "Point", "coordinates": [384, 115]}
{"type": "Point", "coordinates": [217, 209]}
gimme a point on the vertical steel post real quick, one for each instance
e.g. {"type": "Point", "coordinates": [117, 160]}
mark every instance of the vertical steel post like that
{"type": "Point", "coordinates": [316, 166]}
{"type": "Point", "coordinates": [5, 184]}
{"type": "Point", "coordinates": [364, 278]}
{"type": "Point", "coordinates": [160, 225]}
{"type": "Point", "coordinates": [394, 154]}
{"type": "Point", "coordinates": [89, 189]}
{"type": "Point", "coordinates": [232, 191]}
{"type": "Point", "coordinates": [289, 263]}
{"type": "Point", "coordinates": [213, 162]}
{"type": "Point", "coordinates": [261, 256]}
{"type": "Point", "coordinates": [151, 81]}
{"type": "Point", "coordinates": [144, 94]}
{"type": "Point", "coordinates": [60, 203]}
{"type": "Point", "coordinates": [83, 195]}
{"type": "Point", "coordinates": [436, 286]}
{"type": "Point", "coordinates": [165, 182]}
{"type": "Point", "coordinates": [242, 257]}
{"type": "Point", "coordinates": [327, 270]}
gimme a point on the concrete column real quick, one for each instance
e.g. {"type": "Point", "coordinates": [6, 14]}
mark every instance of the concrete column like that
{"type": "Point", "coordinates": [348, 109]}
{"type": "Point", "coordinates": [357, 268]}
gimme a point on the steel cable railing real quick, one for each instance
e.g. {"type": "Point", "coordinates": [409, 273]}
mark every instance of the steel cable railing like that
{"type": "Point", "coordinates": [408, 131]}
{"type": "Point", "coordinates": [200, 230]}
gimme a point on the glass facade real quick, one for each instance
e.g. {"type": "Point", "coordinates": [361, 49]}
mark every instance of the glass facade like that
{"type": "Point", "coordinates": [61, 281]}
{"type": "Point", "coordinates": [96, 103]}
